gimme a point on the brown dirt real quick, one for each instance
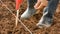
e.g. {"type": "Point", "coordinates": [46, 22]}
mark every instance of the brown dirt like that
{"type": "Point", "coordinates": [7, 21]}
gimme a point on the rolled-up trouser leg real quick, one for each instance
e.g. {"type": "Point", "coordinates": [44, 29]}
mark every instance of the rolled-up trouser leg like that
{"type": "Point", "coordinates": [30, 9]}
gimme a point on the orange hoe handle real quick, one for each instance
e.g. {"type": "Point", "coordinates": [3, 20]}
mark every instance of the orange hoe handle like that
{"type": "Point", "coordinates": [18, 3]}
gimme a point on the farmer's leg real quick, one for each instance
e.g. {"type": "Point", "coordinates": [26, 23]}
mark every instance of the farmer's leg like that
{"type": "Point", "coordinates": [30, 9]}
{"type": "Point", "coordinates": [31, 3]}
{"type": "Point", "coordinates": [47, 18]}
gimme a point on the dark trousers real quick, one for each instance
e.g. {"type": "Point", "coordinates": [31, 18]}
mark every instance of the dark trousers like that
{"type": "Point", "coordinates": [51, 8]}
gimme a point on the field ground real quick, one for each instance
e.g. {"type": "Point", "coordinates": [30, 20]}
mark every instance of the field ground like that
{"type": "Point", "coordinates": [7, 21]}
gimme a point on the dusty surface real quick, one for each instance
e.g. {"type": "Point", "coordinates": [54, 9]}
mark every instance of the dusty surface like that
{"type": "Point", "coordinates": [7, 21]}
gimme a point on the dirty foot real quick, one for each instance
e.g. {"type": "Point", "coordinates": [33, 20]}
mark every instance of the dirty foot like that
{"type": "Point", "coordinates": [45, 22]}
{"type": "Point", "coordinates": [28, 13]}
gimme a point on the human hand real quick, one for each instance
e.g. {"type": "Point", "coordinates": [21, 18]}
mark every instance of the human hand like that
{"type": "Point", "coordinates": [40, 4]}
